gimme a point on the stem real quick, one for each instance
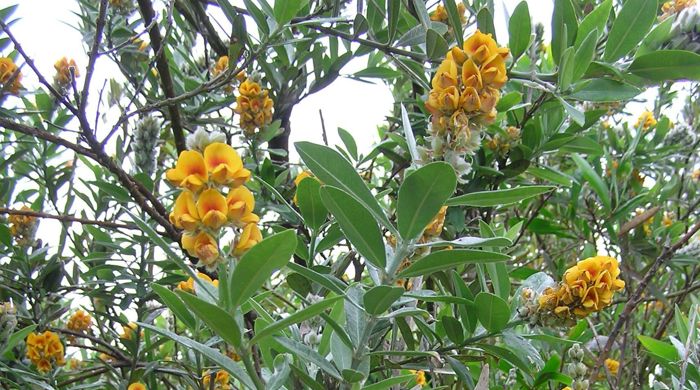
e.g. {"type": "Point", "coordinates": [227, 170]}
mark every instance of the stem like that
{"type": "Point", "coordinates": [248, 362]}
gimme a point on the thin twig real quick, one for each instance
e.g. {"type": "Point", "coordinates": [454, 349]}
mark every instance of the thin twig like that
{"type": "Point", "coordinates": [68, 218]}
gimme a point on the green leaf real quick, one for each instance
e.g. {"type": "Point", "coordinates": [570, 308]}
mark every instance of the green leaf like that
{"type": "Point", "coordinates": [389, 383]}
{"type": "Point", "coordinates": [550, 174]}
{"type": "Point", "coordinates": [328, 281]}
{"type": "Point", "coordinates": [379, 299]}
{"type": "Point", "coordinates": [594, 179]}
{"type": "Point", "coordinates": [441, 260]}
{"type": "Point", "coordinates": [656, 37]}
{"type": "Point", "coordinates": [307, 354]}
{"type": "Point", "coordinates": [484, 22]}
{"type": "Point", "coordinates": [584, 55]}
{"type": "Point", "coordinates": [659, 348]}
{"type": "Point", "coordinates": [566, 68]}
{"type": "Point", "coordinates": [453, 329]}
{"type": "Point", "coordinates": [16, 337]}
{"type": "Point", "coordinates": [310, 204]}
{"type": "Point", "coordinates": [394, 12]}
{"type": "Point", "coordinates": [5, 235]}
{"type": "Point", "coordinates": [665, 65]}
{"type": "Point", "coordinates": [286, 10]}
{"type": "Point", "coordinates": [435, 44]}
{"type": "Point", "coordinates": [294, 318]}
{"type": "Point", "coordinates": [217, 357]}
{"type": "Point", "coordinates": [580, 144]}
{"type": "Point", "coordinates": [604, 90]}
{"type": "Point", "coordinates": [345, 135]}
{"type": "Point", "coordinates": [175, 305]}
{"type": "Point", "coordinates": [519, 30]}
{"type": "Point", "coordinates": [256, 265]}
{"type": "Point", "coordinates": [218, 320]}
{"type": "Point", "coordinates": [564, 26]}
{"type": "Point", "coordinates": [576, 115]}
{"type": "Point", "coordinates": [493, 312]}
{"type": "Point", "coordinates": [357, 224]}
{"type": "Point", "coordinates": [332, 169]}
{"type": "Point", "coordinates": [455, 21]}
{"type": "Point", "coordinates": [594, 21]}
{"type": "Point", "coordinates": [498, 197]}
{"type": "Point", "coordinates": [421, 196]}
{"type": "Point", "coordinates": [631, 25]}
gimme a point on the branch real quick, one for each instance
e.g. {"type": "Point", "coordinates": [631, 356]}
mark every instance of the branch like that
{"type": "Point", "coordinates": [45, 135]}
{"type": "Point", "coordinates": [68, 218]}
{"type": "Point", "coordinates": [146, 8]}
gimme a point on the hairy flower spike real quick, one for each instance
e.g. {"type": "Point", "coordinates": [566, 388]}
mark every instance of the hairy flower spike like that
{"type": "Point", "coordinates": [145, 138]}
{"type": "Point", "coordinates": [7, 72]}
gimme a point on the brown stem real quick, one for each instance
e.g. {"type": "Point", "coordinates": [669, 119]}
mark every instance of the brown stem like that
{"type": "Point", "coordinates": [69, 218]}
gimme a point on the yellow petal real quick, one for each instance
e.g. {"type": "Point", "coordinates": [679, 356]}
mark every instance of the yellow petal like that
{"type": "Point", "coordinates": [190, 171]}
{"type": "Point", "coordinates": [240, 203]}
{"type": "Point", "coordinates": [212, 208]}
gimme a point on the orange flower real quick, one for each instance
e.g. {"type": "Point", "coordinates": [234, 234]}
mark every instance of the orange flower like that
{"type": "Point", "coordinates": [128, 331]}
{"type": "Point", "coordinates": [612, 365]}
{"type": "Point", "coordinates": [221, 380]}
{"type": "Point", "coordinates": [202, 246]}
{"type": "Point", "coordinates": [185, 215]}
{"type": "Point", "coordinates": [646, 120]}
{"type": "Point", "coordinates": [44, 350]}
{"type": "Point", "coordinates": [212, 208]}
{"type": "Point", "coordinates": [80, 321]}
{"type": "Point", "coordinates": [593, 282]}
{"type": "Point", "coordinates": [220, 66]}
{"type": "Point", "coordinates": [7, 70]}
{"type": "Point", "coordinates": [63, 71]}
{"type": "Point", "coordinates": [225, 165]}
{"type": "Point", "coordinates": [188, 285]}
{"type": "Point", "coordinates": [241, 203]}
{"type": "Point", "coordinates": [250, 236]}
{"type": "Point", "coordinates": [434, 228]}
{"type": "Point", "coordinates": [137, 386]}
{"type": "Point", "coordinates": [482, 47]}
{"type": "Point", "coordinates": [190, 171]}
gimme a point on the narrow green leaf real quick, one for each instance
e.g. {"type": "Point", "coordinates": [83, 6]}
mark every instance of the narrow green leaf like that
{"type": "Point", "coordinates": [576, 115]}
{"type": "Point", "coordinates": [594, 180]}
{"type": "Point", "coordinates": [584, 55]}
{"type": "Point", "coordinates": [286, 10]}
{"type": "Point", "coordinates": [453, 329]}
{"type": "Point", "coordinates": [564, 27]}
{"type": "Point", "coordinates": [218, 320]}
{"type": "Point", "coordinates": [566, 68]}
{"type": "Point", "coordinates": [594, 21]}
{"type": "Point", "coordinates": [256, 265]}
{"type": "Point", "coordinates": [665, 65]}
{"type": "Point", "coordinates": [493, 312]}
{"type": "Point", "coordinates": [455, 21]}
{"type": "Point", "coordinates": [310, 204]}
{"type": "Point", "coordinates": [348, 139]}
{"type": "Point", "coordinates": [498, 197]}
{"type": "Point", "coordinates": [550, 174]}
{"type": "Point", "coordinates": [307, 354]}
{"type": "Point", "coordinates": [357, 224]}
{"type": "Point", "coordinates": [294, 318]}
{"type": "Point", "coordinates": [389, 383]}
{"type": "Point", "coordinates": [631, 25]}
{"type": "Point", "coordinates": [603, 90]}
{"type": "Point", "coordinates": [421, 196]}
{"type": "Point", "coordinates": [17, 337]}
{"type": "Point", "coordinates": [519, 30]}
{"type": "Point", "coordinates": [484, 22]}
{"type": "Point", "coordinates": [445, 259]}
{"type": "Point", "coordinates": [328, 281]}
{"type": "Point", "coordinates": [394, 12]}
{"type": "Point", "coordinates": [659, 348]}
{"type": "Point", "coordinates": [175, 305]}
{"type": "Point", "coordinates": [436, 45]}
{"type": "Point", "coordinates": [378, 299]}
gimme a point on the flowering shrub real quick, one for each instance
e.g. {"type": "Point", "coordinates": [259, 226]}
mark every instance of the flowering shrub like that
{"type": "Point", "coordinates": [525, 217]}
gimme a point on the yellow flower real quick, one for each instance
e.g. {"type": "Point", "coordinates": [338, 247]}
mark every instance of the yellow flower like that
{"type": "Point", "coordinates": [80, 321]}
{"type": "Point", "coordinates": [128, 331]}
{"type": "Point", "coordinates": [297, 180]}
{"type": "Point", "coordinates": [22, 227]}
{"type": "Point", "coordinates": [440, 14]}
{"type": "Point", "coordinates": [695, 175]}
{"type": "Point", "coordinates": [7, 70]}
{"type": "Point", "coordinates": [185, 215]}
{"type": "Point", "coordinates": [63, 71]}
{"type": "Point", "coordinates": [240, 203]}
{"type": "Point", "coordinates": [202, 246]}
{"type": "Point", "coordinates": [225, 165]}
{"type": "Point", "coordinates": [254, 106]}
{"type": "Point", "coordinates": [612, 365]}
{"type": "Point", "coordinates": [137, 386]}
{"type": "Point", "coordinates": [221, 380]}
{"type": "Point", "coordinates": [482, 47]}
{"type": "Point", "coordinates": [667, 220]}
{"type": "Point", "coordinates": [593, 282]}
{"type": "Point", "coordinates": [190, 171]}
{"type": "Point", "coordinates": [567, 388]}
{"type": "Point", "coordinates": [220, 66]}
{"type": "Point", "coordinates": [434, 228]}
{"type": "Point", "coordinates": [188, 286]}
{"type": "Point", "coordinates": [646, 120]}
{"type": "Point", "coordinates": [670, 8]}
{"type": "Point", "coordinates": [44, 350]}
{"type": "Point", "coordinates": [75, 364]}
{"type": "Point", "coordinates": [250, 236]}
{"type": "Point", "coordinates": [212, 208]}
{"type": "Point", "coordinates": [420, 377]}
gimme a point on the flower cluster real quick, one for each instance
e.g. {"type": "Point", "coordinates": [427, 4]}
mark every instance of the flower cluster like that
{"type": "Point", "coordinates": [420, 377]}
{"type": "Point", "coordinates": [221, 380]}
{"type": "Point", "coordinates": [188, 285]}
{"type": "Point", "coordinates": [587, 287]}
{"type": "Point", "coordinates": [23, 227]}
{"type": "Point", "coordinates": [612, 366]}
{"type": "Point", "coordinates": [122, 6]}
{"type": "Point", "coordinates": [80, 321]}
{"type": "Point", "coordinates": [45, 350]}
{"type": "Point", "coordinates": [646, 120]}
{"type": "Point", "coordinates": [7, 72]}
{"type": "Point", "coordinates": [577, 370]}
{"type": "Point", "coordinates": [254, 106]}
{"type": "Point", "coordinates": [465, 90]}
{"type": "Point", "coordinates": [501, 144]}
{"type": "Point", "coordinates": [673, 7]}
{"type": "Point", "coordinates": [440, 14]}
{"type": "Point", "coordinates": [137, 386]}
{"type": "Point", "coordinates": [202, 208]}
{"type": "Point", "coordinates": [63, 77]}
{"type": "Point", "coordinates": [128, 331]}
{"type": "Point", "coordinates": [220, 67]}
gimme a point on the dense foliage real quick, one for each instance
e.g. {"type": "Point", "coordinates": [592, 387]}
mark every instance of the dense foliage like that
{"type": "Point", "coordinates": [528, 218]}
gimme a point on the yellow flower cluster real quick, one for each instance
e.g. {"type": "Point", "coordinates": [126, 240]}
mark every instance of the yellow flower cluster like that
{"type": "Point", "coordinates": [673, 7]}
{"type": "Point", "coordinates": [220, 67]}
{"type": "Point", "coordinates": [420, 377]}
{"type": "Point", "coordinates": [667, 220]}
{"type": "Point", "coordinates": [23, 227]}
{"type": "Point", "coordinates": [612, 365]}
{"type": "Point", "coordinates": [221, 380]}
{"type": "Point", "coordinates": [440, 14]}
{"type": "Point", "coordinates": [646, 120]}
{"type": "Point", "coordinates": [188, 285]}
{"type": "Point", "coordinates": [465, 90]}
{"type": "Point", "coordinates": [254, 106]}
{"type": "Point", "coordinates": [45, 350]}
{"type": "Point", "coordinates": [7, 70]}
{"type": "Point", "coordinates": [128, 331]}
{"type": "Point", "coordinates": [80, 321]}
{"type": "Point", "coordinates": [202, 210]}
{"type": "Point", "coordinates": [137, 386]}
{"type": "Point", "coordinates": [646, 225]}
{"type": "Point", "coordinates": [587, 287]}
{"type": "Point", "coordinates": [63, 77]}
